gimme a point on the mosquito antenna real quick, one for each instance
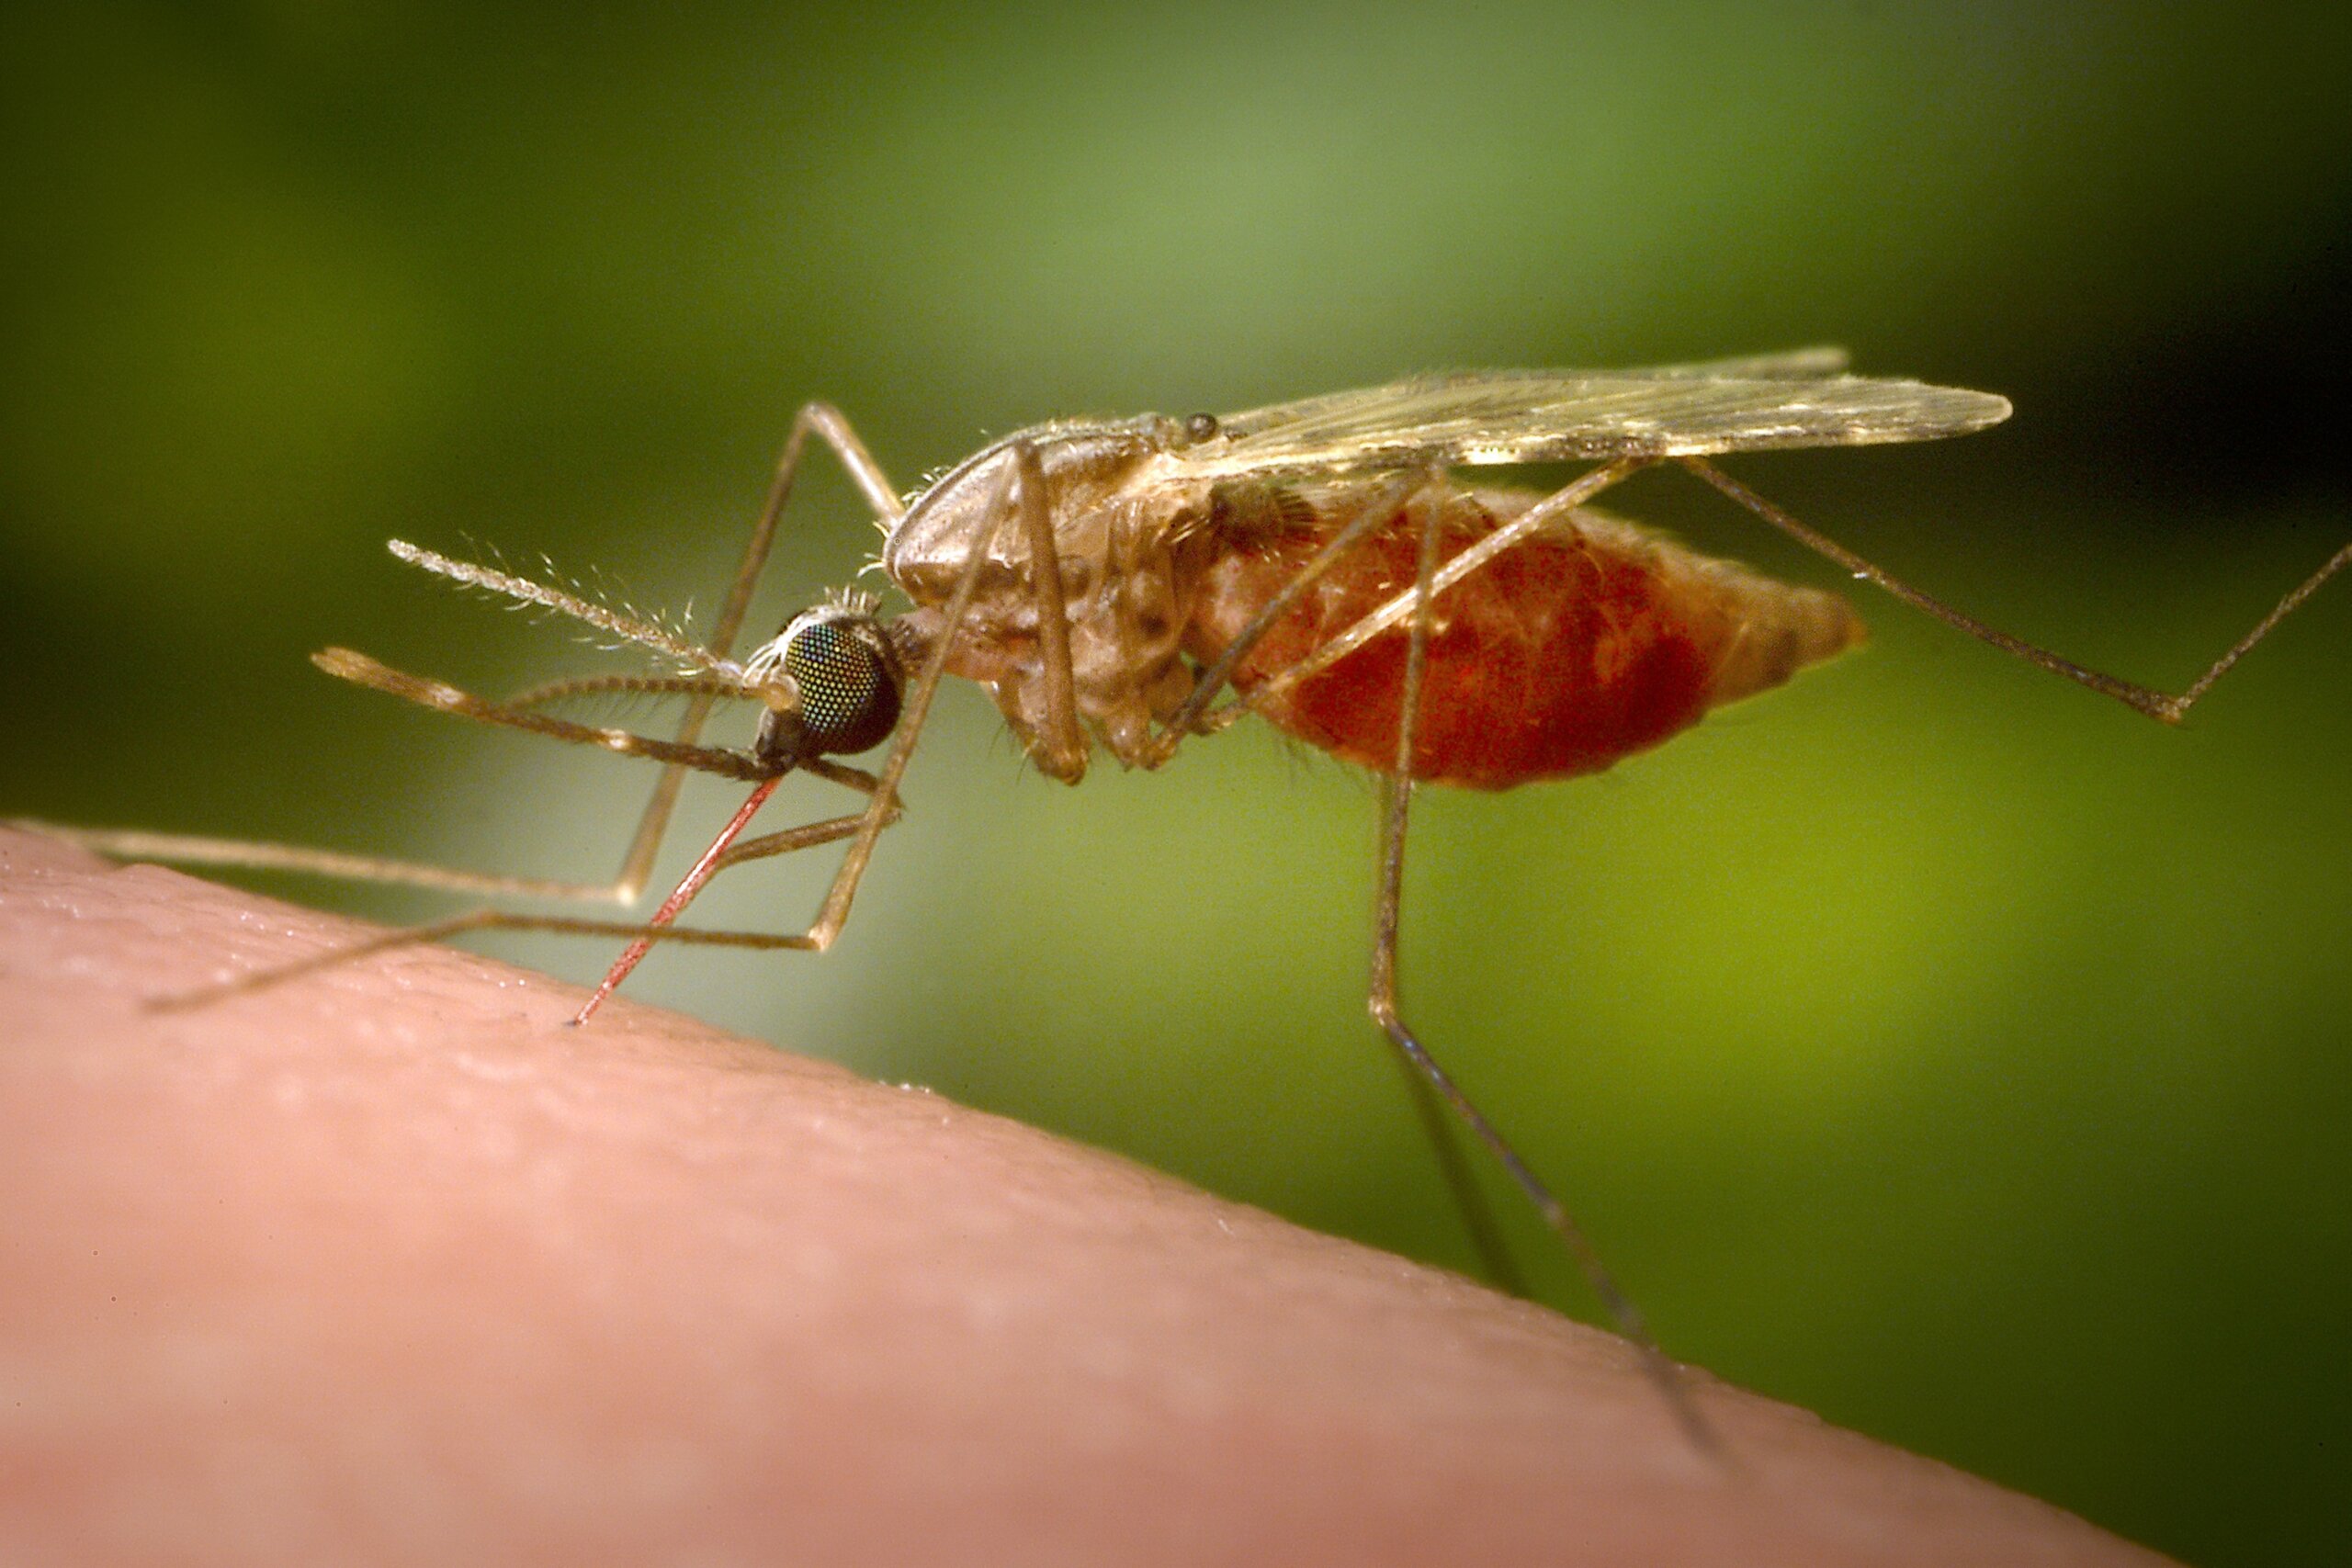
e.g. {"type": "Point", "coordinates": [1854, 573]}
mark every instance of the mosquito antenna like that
{"type": "Point", "coordinates": [602, 617]}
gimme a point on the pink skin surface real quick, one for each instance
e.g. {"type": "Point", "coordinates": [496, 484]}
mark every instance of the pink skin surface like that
{"type": "Point", "coordinates": [388, 1265]}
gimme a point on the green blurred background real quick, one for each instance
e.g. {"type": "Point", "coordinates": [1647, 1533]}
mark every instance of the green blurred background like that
{"type": "Point", "coordinates": [1931, 1043]}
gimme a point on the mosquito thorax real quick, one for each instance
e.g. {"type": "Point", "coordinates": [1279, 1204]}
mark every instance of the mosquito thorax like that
{"type": "Point", "coordinates": [1085, 465]}
{"type": "Point", "coordinates": [836, 679]}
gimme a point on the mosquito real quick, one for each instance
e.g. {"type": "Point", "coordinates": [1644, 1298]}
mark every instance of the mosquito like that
{"type": "Point", "coordinates": [1136, 583]}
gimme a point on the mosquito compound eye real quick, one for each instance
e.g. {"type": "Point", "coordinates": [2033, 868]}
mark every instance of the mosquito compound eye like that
{"type": "Point", "coordinates": [847, 679]}
{"type": "Point", "coordinates": [1200, 426]}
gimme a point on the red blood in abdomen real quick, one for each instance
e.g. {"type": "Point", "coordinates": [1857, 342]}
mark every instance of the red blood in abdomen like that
{"type": "Point", "coordinates": [1558, 658]}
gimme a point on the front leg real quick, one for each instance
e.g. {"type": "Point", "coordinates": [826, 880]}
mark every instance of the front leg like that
{"type": "Point", "coordinates": [1059, 747]}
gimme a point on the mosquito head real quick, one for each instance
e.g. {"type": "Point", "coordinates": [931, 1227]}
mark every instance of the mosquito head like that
{"type": "Point", "coordinates": [835, 678]}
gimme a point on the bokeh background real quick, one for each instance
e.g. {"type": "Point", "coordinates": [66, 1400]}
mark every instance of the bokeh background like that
{"type": "Point", "coordinates": [1931, 1042]}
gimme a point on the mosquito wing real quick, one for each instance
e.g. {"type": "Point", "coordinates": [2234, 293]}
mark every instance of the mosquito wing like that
{"type": "Point", "coordinates": [1537, 416]}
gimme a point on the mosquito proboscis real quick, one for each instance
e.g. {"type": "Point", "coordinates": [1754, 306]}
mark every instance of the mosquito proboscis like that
{"type": "Point", "coordinates": [1135, 583]}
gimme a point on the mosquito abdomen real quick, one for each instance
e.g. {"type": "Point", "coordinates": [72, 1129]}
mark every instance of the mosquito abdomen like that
{"type": "Point", "coordinates": [1586, 644]}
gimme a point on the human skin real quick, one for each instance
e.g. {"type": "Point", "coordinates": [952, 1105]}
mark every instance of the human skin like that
{"type": "Point", "coordinates": [390, 1265]}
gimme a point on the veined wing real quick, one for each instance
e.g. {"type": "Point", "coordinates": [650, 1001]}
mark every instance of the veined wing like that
{"type": "Point", "coordinates": [1783, 364]}
{"type": "Point", "coordinates": [1534, 417]}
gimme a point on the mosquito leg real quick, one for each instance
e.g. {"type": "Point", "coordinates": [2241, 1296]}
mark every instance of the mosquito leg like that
{"type": "Point", "coordinates": [186, 849]}
{"type": "Point", "coordinates": [1395, 796]}
{"type": "Point", "coordinates": [810, 835]}
{"type": "Point", "coordinates": [2168, 706]}
{"type": "Point", "coordinates": [1060, 751]}
{"type": "Point", "coordinates": [1396, 804]}
{"type": "Point", "coordinates": [1536, 518]}
{"type": "Point", "coordinates": [1442, 1133]}
{"type": "Point", "coordinates": [476, 920]}
{"type": "Point", "coordinates": [824, 422]}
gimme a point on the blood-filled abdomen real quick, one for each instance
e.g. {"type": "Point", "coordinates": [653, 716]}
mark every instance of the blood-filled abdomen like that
{"type": "Point", "coordinates": [1592, 640]}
